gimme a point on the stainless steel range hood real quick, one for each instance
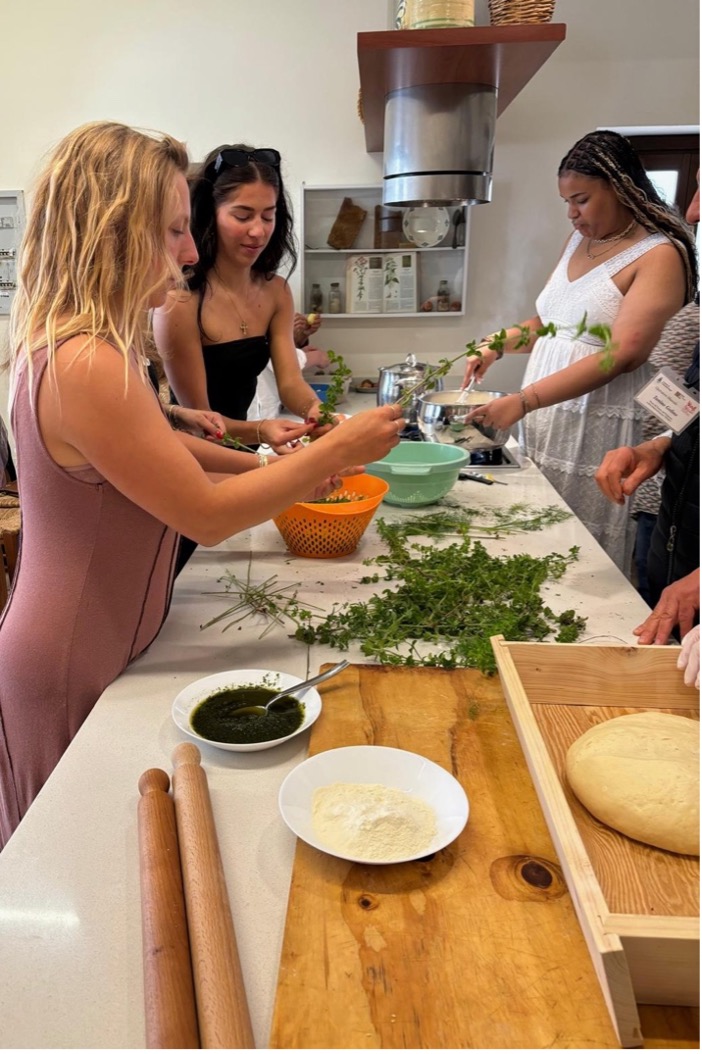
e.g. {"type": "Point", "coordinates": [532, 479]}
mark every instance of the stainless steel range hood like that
{"type": "Point", "coordinates": [439, 144]}
{"type": "Point", "coordinates": [430, 99]}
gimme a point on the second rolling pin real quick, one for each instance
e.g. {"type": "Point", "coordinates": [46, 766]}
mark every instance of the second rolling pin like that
{"type": "Point", "coordinates": [223, 1013]}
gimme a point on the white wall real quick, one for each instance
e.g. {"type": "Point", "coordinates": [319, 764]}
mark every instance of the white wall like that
{"type": "Point", "coordinates": [285, 73]}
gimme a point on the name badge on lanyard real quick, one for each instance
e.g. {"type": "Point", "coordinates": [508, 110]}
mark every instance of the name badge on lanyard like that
{"type": "Point", "coordinates": [666, 397]}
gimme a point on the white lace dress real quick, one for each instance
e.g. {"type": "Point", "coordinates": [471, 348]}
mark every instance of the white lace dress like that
{"type": "Point", "coordinates": [569, 440]}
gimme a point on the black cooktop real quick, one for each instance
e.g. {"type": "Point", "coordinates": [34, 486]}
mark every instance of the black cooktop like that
{"type": "Point", "coordinates": [497, 456]}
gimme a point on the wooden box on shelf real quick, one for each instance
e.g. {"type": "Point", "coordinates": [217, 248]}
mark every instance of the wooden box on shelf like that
{"type": "Point", "coordinates": [638, 906]}
{"type": "Point", "coordinates": [379, 235]}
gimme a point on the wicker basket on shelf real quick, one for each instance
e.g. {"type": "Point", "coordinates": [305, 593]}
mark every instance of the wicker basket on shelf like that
{"type": "Point", "coordinates": [520, 12]}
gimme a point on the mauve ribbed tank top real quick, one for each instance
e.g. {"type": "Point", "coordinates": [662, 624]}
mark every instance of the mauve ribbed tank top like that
{"type": "Point", "coordinates": [92, 588]}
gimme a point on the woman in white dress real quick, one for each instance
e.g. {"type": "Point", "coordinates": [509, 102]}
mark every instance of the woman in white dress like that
{"type": "Point", "coordinates": [629, 264]}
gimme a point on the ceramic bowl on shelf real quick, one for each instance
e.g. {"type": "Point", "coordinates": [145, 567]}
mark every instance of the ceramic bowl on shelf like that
{"type": "Point", "coordinates": [193, 695]}
{"type": "Point", "coordinates": [426, 226]}
{"type": "Point", "coordinates": [388, 767]}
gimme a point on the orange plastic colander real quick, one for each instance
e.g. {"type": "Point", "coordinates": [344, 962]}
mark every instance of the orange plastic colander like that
{"type": "Point", "coordinates": [322, 532]}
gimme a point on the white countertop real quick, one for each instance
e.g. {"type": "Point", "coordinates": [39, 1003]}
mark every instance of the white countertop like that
{"type": "Point", "coordinates": [70, 922]}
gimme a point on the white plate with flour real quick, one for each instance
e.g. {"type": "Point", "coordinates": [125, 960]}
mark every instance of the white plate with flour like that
{"type": "Point", "coordinates": [363, 813]}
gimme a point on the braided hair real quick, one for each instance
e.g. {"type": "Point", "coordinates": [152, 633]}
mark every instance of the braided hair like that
{"type": "Point", "coordinates": [610, 156]}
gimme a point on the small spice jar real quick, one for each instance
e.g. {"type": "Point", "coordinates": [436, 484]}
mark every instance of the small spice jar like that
{"type": "Point", "coordinates": [316, 298]}
{"type": "Point", "coordinates": [335, 299]}
{"type": "Point", "coordinates": [443, 296]}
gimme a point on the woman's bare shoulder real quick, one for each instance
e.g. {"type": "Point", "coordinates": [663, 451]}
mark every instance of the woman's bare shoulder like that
{"type": "Point", "coordinates": [182, 302]}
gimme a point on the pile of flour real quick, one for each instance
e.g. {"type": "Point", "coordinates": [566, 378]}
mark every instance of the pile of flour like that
{"type": "Point", "coordinates": [372, 822]}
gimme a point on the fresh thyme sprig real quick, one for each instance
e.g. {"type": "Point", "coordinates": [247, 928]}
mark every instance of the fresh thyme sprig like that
{"type": "Point", "coordinates": [598, 330]}
{"type": "Point", "coordinates": [335, 391]}
{"type": "Point", "coordinates": [237, 444]}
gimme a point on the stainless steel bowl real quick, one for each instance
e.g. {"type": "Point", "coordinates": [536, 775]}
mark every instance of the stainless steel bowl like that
{"type": "Point", "coordinates": [441, 417]}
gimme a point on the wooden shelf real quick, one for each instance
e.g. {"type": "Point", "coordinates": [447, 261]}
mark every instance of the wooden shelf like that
{"type": "Point", "coordinates": [506, 57]}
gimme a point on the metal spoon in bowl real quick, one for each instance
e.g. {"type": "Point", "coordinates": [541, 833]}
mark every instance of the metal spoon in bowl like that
{"type": "Point", "coordinates": [294, 689]}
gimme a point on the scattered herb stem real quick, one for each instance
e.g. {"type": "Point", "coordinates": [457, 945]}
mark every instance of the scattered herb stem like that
{"type": "Point", "coordinates": [268, 601]}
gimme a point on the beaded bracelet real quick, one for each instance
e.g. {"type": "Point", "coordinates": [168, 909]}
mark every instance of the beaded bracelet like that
{"type": "Point", "coordinates": [525, 405]}
{"type": "Point", "coordinates": [262, 459]}
{"type": "Point", "coordinates": [536, 395]}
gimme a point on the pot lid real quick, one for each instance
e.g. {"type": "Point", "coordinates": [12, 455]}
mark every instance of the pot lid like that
{"type": "Point", "coordinates": [409, 368]}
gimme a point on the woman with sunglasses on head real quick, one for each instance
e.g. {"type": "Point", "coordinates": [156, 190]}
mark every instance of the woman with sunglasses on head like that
{"type": "Point", "coordinates": [217, 339]}
{"type": "Point", "coordinates": [105, 483]}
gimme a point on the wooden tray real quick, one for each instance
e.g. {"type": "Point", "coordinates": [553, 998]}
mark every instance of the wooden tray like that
{"type": "Point", "coordinates": [478, 947]}
{"type": "Point", "coordinates": [638, 906]}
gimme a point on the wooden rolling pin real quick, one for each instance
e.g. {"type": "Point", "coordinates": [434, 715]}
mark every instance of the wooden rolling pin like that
{"type": "Point", "coordinates": [169, 996]}
{"type": "Point", "coordinates": [223, 1013]}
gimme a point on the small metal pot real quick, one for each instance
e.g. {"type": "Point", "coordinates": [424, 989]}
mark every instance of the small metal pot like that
{"type": "Point", "coordinates": [441, 417]}
{"type": "Point", "coordinates": [394, 381]}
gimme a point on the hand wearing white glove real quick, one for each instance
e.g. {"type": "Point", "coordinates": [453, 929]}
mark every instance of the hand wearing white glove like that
{"type": "Point", "coordinates": [689, 658]}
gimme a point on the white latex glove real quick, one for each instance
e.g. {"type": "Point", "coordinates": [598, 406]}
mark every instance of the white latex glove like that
{"type": "Point", "coordinates": [689, 658]}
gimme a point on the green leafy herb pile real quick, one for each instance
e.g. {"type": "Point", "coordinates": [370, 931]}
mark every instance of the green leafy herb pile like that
{"type": "Point", "coordinates": [442, 604]}
{"type": "Point", "coordinates": [452, 599]}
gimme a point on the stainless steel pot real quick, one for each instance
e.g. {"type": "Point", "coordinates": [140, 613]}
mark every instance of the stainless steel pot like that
{"type": "Point", "coordinates": [441, 417]}
{"type": "Point", "coordinates": [395, 381]}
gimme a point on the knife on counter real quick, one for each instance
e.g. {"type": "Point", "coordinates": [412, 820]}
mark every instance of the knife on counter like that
{"type": "Point", "coordinates": [479, 477]}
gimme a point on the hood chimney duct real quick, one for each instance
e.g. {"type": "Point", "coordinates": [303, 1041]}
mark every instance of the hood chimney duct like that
{"type": "Point", "coordinates": [439, 144]}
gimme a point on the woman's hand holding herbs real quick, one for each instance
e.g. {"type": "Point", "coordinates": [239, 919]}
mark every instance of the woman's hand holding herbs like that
{"type": "Point", "coordinates": [205, 423]}
{"type": "Point", "coordinates": [278, 432]}
{"type": "Point", "coordinates": [367, 436]}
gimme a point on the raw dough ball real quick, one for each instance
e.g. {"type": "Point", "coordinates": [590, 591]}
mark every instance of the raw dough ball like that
{"type": "Point", "coordinates": [641, 775]}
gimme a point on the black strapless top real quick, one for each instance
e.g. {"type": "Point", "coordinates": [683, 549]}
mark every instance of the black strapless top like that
{"type": "Point", "coordinates": [232, 370]}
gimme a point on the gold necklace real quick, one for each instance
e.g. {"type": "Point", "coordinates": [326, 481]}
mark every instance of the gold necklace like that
{"type": "Point", "coordinates": [611, 241]}
{"type": "Point", "coordinates": [243, 326]}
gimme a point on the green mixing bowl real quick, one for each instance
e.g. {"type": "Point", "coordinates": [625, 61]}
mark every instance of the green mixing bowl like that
{"type": "Point", "coordinates": [419, 473]}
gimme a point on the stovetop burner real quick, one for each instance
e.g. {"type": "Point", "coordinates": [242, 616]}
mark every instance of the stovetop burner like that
{"type": "Point", "coordinates": [499, 456]}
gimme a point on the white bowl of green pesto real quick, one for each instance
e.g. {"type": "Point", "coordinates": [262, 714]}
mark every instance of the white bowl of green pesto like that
{"type": "Point", "coordinates": [207, 710]}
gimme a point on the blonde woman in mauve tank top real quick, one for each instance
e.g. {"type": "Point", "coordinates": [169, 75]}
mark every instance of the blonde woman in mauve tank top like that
{"type": "Point", "coordinates": [106, 239]}
{"type": "Point", "coordinates": [629, 264]}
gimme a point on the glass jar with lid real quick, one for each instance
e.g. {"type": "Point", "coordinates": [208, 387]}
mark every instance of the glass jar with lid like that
{"type": "Point", "coordinates": [316, 299]}
{"type": "Point", "coordinates": [335, 299]}
{"type": "Point", "coordinates": [443, 296]}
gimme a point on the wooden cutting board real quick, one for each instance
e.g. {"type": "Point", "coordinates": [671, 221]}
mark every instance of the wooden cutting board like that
{"type": "Point", "coordinates": [478, 947]}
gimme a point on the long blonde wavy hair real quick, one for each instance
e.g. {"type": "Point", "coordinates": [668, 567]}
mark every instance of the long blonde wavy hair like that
{"type": "Point", "coordinates": [93, 253]}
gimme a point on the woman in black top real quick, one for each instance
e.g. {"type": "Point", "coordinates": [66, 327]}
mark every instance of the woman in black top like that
{"type": "Point", "coordinates": [216, 339]}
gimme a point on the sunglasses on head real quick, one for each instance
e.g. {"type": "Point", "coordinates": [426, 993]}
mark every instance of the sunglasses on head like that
{"type": "Point", "coordinates": [233, 158]}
